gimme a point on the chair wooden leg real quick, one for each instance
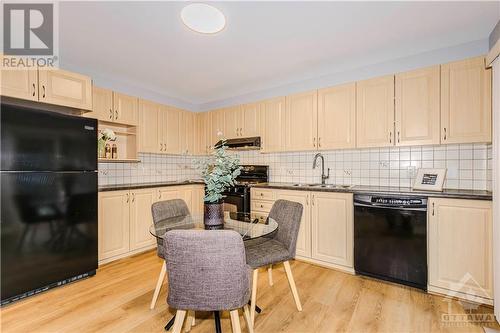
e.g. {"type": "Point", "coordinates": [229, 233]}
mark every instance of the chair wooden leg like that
{"type": "Point", "coordinates": [179, 320]}
{"type": "Point", "coordinates": [254, 295]}
{"type": "Point", "coordinates": [270, 274]}
{"type": "Point", "coordinates": [246, 314]}
{"type": "Point", "coordinates": [189, 320]}
{"type": "Point", "coordinates": [159, 283]}
{"type": "Point", "coordinates": [291, 282]}
{"type": "Point", "coordinates": [235, 321]}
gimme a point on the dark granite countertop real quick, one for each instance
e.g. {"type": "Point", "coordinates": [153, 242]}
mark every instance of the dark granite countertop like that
{"type": "Point", "coordinates": [120, 187]}
{"type": "Point", "coordinates": [384, 190]}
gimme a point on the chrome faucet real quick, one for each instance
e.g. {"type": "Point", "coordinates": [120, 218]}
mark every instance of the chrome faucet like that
{"type": "Point", "coordinates": [323, 176]}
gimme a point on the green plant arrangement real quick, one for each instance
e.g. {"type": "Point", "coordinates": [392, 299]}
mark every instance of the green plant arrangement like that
{"type": "Point", "coordinates": [219, 172]}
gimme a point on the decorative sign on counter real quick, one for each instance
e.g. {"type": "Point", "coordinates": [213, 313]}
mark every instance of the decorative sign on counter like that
{"type": "Point", "coordinates": [430, 179]}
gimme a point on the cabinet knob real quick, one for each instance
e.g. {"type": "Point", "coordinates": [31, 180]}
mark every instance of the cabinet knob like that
{"type": "Point", "coordinates": [398, 136]}
{"type": "Point", "coordinates": [444, 134]}
{"type": "Point", "coordinates": [110, 114]}
{"type": "Point", "coordinates": [390, 137]}
{"type": "Point", "coordinates": [314, 142]}
{"type": "Point", "coordinates": [43, 89]}
{"type": "Point", "coordinates": [34, 89]}
{"type": "Point", "coordinates": [116, 114]}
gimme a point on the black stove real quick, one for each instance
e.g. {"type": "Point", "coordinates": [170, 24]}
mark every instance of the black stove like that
{"type": "Point", "coordinates": [237, 198]}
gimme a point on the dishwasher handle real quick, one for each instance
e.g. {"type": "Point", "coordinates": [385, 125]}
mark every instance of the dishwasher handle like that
{"type": "Point", "coordinates": [419, 209]}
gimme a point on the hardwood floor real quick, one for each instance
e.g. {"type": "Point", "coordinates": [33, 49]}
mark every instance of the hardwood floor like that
{"type": "Point", "coordinates": [117, 300]}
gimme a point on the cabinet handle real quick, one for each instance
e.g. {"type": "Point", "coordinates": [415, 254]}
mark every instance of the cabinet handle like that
{"type": "Point", "coordinates": [307, 200]}
{"type": "Point", "coordinates": [116, 114]}
{"type": "Point", "coordinates": [159, 195]}
{"type": "Point", "coordinates": [133, 197]}
{"type": "Point", "coordinates": [261, 194]}
{"type": "Point", "coordinates": [43, 89]}
{"type": "Point", "coordinates": [127, 198]}
{"type": "Point", "coordinates": [433, 209]}
{"type": "Point", "coordinates": [444, 133]}
{"type": "Point", "coordinates": [398, 136]}
{"type": "Point", "coordinates": [34, 89]}
{"type": "Point", "coordinates": [314, 142]}
{"type": "Point", "coordinates": [319, 142]}
{"type": "Point", "coordinates": [110, 114]}
{"type": "Point", "coordinates": [390, 137]}
{"type": "Point", "coordinates": [312, 200]}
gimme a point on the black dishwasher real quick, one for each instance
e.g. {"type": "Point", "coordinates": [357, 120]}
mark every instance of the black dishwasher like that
{"type": "Point", "coordinates": [390, 238]}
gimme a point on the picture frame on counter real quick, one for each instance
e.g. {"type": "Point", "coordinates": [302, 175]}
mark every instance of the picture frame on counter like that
{"type": "Point", "coordinates": [430, 180]}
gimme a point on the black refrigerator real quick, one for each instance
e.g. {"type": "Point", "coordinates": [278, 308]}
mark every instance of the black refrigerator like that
{"type": "Point", "coordinates": [48, 200]}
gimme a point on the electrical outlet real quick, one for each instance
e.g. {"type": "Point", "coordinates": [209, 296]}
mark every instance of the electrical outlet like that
{"type": "Point", "coordinates": [347, 172]}
{"type": "Point", "coordinates": [384, 164]}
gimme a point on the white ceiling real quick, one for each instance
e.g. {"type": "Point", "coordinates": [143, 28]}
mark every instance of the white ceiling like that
{"type": "Point", "coordinates": [264, 44]}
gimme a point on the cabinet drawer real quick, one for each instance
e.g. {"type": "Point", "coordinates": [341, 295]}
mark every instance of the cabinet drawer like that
{"type": "Point", "coordinates": [262, 194]}
{"type": "Point", "coordinates": [262, 206]}
{"type": "Point", "coordinates": [261, 216]}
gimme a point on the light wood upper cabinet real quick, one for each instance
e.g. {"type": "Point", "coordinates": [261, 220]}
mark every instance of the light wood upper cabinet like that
{"type": "Point", "coordinates": [65, 88]}
{"type": "Point", "coordinates": [187, 133]}
{"type": "Point", "coordinates": [466, 101]}
{"type": "Point", "coordinates": [113, 223]}
{"type": "Point", "coordinates": [218, 126]}
{"type": "Point", "coordinates": [149, 127]}
{"type": "Point", "coordinates": [125, 108]}
{"type": "Point", "coordinates": [460, 247]}
{"type": "Point", "coordinates": [375, 112]}
{"type": "Point", "coordinates": [304, 237]}
{"type": "Point", "coordinates": [250, 115]}
{"type": "Point", "coordinates": [141, 218]}
{"type": "Point", "coordinates": [417, 107]}
{"type": "Point", "coordinates": [273, 124]}
{"type": "Point", "coordinates": [301, 119]}
{"type": "Point", "coordinates": [19, 83]}
{"type": "Point", "coordinates": [172, 134]}
{"type": "Point", "coordinates": [233, 122]}
{"type": "Point", "coordinates": [332, 228]}
{"type": "Point", "coordinates": [203, 138]}
{"type": "Point", "coordinates": [102, 105]}
{"type": "Point", "coordinates": [337, 117]}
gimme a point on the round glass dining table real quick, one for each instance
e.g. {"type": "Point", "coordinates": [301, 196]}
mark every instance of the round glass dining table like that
{"type": "Point", "coordinates": [247, 225]}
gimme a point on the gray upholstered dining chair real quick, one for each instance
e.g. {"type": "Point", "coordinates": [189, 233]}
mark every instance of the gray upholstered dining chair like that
{"type": "Point", "coordinates": [281, 248]}
{"type": "Point", "coordinates": [207, 271]}
{"type": "Point", "coordinates": [163, 210]}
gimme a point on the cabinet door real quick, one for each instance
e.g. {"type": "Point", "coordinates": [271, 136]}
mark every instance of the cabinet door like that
{"type": "Point", "coordinates": [168, 193]}
{"type": "Point", "coordinates": [272, 124]}
{"type": "Point", "coordinates": [141, 218]}
{"type": "Point", "coordinates": [186, 194]}
{"type": "Point", "coordinates": [332, 228]}
{"type": "Point", "coordinates": [466, 101]}
{"type": "Point", "coordinates": [375, 112]}
{"type": "Point", "coordinates": [102, 105]}
{"type": "Point", "coordinates": [19, 83]}
{"type": "Point", "coordinates": [218, 126]}
{"type": "Point", "coordinates": [65, 88]}
{"type": "Point", "coordinates": [301, 121]}
{"type": "Point", "coordinates": [172, 139]}
{"type": "Point", "coordinates": [417, 107]}
{"type": "Point", "coordinates": [198, 200]}
{"type": "Point", "coordinates": [304, 237]}
{"type": "Point", "coordinates": [233, 122]}
{"type": "Point", "coordinates": [125, 107]}
{"type": "Point", "coordinates": [202, 131]}
{"type": "Point", "coordinates": [187, 133]}
{"type": "Point", "coordinates": [149, 125]}
{"type": "Point", "coordinates": [113, 223]}
{"type": "Point", "coordinates": [250, 123]}
{"type": "Point", "coordinates": [337, 117]}
{"type": "Point", "coordinates": [460, 247]}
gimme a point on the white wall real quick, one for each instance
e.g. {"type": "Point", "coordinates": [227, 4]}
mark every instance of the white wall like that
{"type": "Point", "coordinates": [496, 184]}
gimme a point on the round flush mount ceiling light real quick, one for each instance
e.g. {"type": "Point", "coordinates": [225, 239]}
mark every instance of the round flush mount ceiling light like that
{"type": "Point", "coordinates": [203, 18]}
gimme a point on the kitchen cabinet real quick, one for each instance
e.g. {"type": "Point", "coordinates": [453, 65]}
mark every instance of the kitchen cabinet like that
{"type": "Point", "coordinates": [301, 121]}
{"type": "Point", "coordinates": [149, 127]}
{"type": "Point", "coordinates": [304, 236]}
{"type": "Point", "coordinates": [19, 83]}
{"type": "Point", "coordinates": [465, 102]}
{"type": "Point", "coordinates": [203, 139]}
{"type": "Point", "coordinates": [417, 107]}
{"type": "Point", "coordinates": [242, 121]}
{"type": "Point", "coordinates": [141, 218]}
{"type": "Point", "coordinates": [460, 248]}
{"type": "Point", "coordinates": [234, 122]}
{"type": "Point", "coordinates": [375, 112]}
{"type": "Point", "coordinates": [187, 133]}
{"type": "Point", "coordinates": [113, 224]}
{"type": "Point", "coordinates": [171, 132]}
{"type": "Point", "coordinates": [337, 117]}
{"type": "Point", "coordinates": [59, 87]}
{"type": "Point", "coordinates": [332, 225]}
{"type": "Point", "coordinates": [217, 126]}
{"type": "Point", "coordinates": [125, 107]}
{"type": "Point", "coordinates": [273, 124]}
{"type": "Point", "coordinates": [198, 200]}
{"type": "Point", "coordinates": [102, 105]}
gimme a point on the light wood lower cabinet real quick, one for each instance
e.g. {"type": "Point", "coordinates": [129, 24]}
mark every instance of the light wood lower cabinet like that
{"type": "Point", "coordinates": [125, 218]}
{"type": "Point", "coordinates": [460, 248]}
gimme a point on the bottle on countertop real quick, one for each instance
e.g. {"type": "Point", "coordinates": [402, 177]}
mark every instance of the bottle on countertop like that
{"type": "Point", "coordinates": [108, 151]}
{"type": "Point", "coordinates": [114, 151]}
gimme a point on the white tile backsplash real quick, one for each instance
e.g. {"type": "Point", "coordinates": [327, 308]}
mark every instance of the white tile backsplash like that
{"type": "Point", "coordinates": [469, 166]}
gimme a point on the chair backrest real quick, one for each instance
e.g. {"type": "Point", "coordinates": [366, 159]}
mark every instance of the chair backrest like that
{"type": "Point", "coordinates": [206, 269]}
{"type": "Point", "coordinates": [167, 209]}
{"type": "Point", "coordinates": [288, 214]}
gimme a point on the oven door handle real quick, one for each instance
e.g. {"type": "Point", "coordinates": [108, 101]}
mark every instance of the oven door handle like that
{"type": "Point", "coordinates": [389, 207]}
